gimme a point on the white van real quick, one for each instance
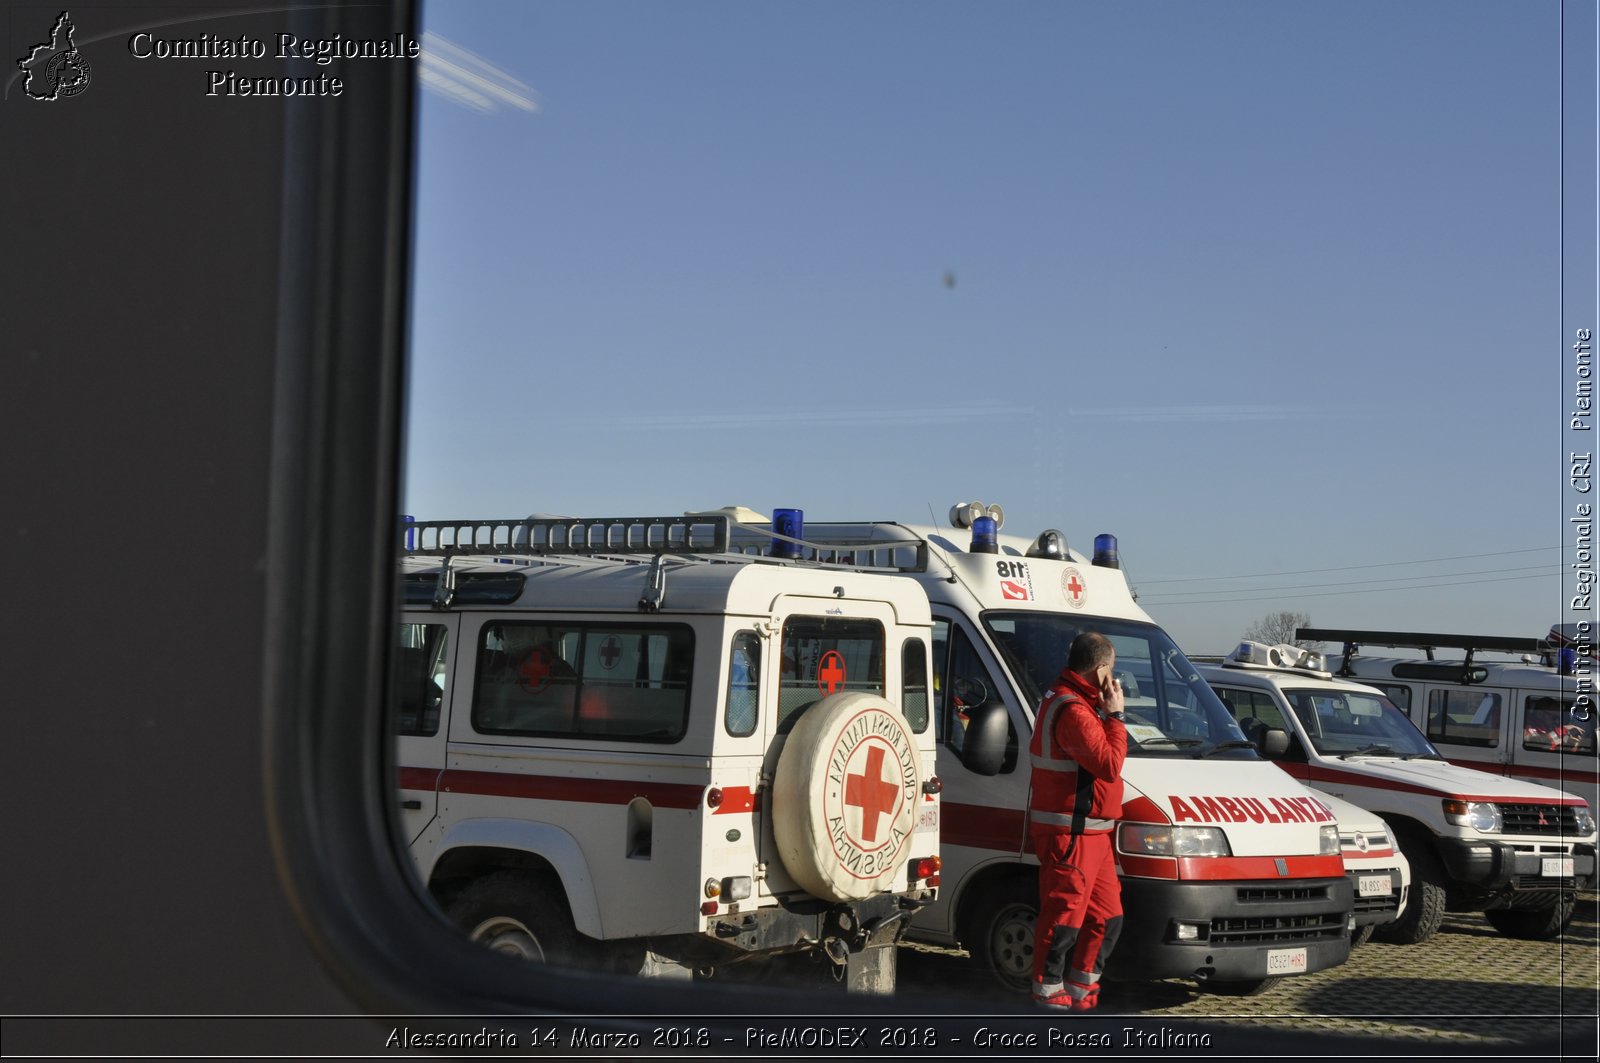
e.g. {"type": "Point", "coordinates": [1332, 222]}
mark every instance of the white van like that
{"type": "Point", "coordinates": [1530, 718]}
{"type": "Point", "coordinates": [1231, 869]}
{"type": "Point", "coordinates": [1515, 850]}
{"type": "Point", "coordinates": [1379, 873]}
{"type": "Point", "coordinates": [621, 746]}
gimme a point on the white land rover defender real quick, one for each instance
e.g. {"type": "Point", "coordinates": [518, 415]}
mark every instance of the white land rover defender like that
{"type": "Point", "coordinates": [621, 746]}
{"type": "Point", "coordinates": [1512, 849]}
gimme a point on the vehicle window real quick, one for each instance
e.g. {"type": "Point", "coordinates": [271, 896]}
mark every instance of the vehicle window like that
{"type": "Point", "coordinates": [825, 655]}
{"type": "Point", "coordinates": [744, 685]}
{"type": "Point", "coordinates": [1341, 722]}
{"type": "Point", "coordinates": [581, 680]}
{"type": "Point", "coordinates": [1398, 693]}
{"type": "Point", "coordinates": [419, 679]}
{"type": "Point", "coordinates": [1464, 717]}
{"type": "Point", "coordinates": [1171, 710]}
{"type": "Point", "coordinates": [1255, 711]}
{"type": "Point", "coordinates": [962, 680]}
{"type": "Point", "coordinates": [1550, 725]}
{"type": "Point", "coordinates": [914, 677]}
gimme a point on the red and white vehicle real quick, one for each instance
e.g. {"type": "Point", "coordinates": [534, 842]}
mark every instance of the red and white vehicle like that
{"type": "Point", "coordinates": [1379, 873]}
{"type": "Point", "coordinates": [1514, 850]}
{"type": "Point", "coordinates": [620, 745]}
{"type": "Point", "coordinates": [1231, 869]}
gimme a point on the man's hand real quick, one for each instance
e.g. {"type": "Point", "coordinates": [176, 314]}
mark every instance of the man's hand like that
{"type": "Point", "coordinates": [1111, 697]}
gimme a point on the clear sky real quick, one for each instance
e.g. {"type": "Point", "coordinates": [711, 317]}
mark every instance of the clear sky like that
{"type": "Point", "coordinates": [1267, 290]}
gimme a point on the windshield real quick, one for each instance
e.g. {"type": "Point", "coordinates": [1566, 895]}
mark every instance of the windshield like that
{"type": "Point", "coordinates": [1339, 723]}
{"type": "Point", "coordinates": [1171, 710]}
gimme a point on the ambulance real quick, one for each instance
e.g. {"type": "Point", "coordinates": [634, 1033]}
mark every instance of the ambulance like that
{"type": "Point", "coordinates": [1477, 842]}
{"type": "Point", "coordinates": [622, 746]}
{"type": "Point", "coordinates": [1378, 872]}
{"type": "Point", "coordinates": [1231, 870]}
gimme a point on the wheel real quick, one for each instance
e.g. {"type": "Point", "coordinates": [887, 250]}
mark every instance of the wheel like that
{"type": "Point", "coordinates": [1425, 905]}
{"type": "Point", "coordinates": [1534, 924]}
{"type": "Point", "coordinates": [1362, 934]}
{"type": "Point", "coordinates": [845, 797]}
{"type": "Point", "coordinates": [1001, 932]}
{"type": "Point", "coordinates": [518, 914]}
{"type": "Point", "coordinates": [1250, 988]}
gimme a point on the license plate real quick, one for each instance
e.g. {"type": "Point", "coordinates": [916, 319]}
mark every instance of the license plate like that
{"type": "Point", "coordinates": [928, 820]}
{"type": "Point", "coordinates": [1373, 886]}
{"type": "Point", "coordinates": [1557, 866]}
{"type": "Point", "coordinates": [1286, 961]}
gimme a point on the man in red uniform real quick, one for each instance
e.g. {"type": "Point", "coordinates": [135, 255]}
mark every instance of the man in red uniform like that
{"type": "Point", "coordinates": [1079, 744]}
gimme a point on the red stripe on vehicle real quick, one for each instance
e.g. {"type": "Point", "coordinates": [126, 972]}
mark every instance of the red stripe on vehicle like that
{"type": "Point", "coordinates": [737, 799]}
{"type": "Point", "coordinates": [1370, 854]}
{"type": "Point", "coordinates": [1559, 774]}
{"type": "Point", "coordinates": [1213, 868]}
{"type": "Point", "coordinates": [419, 778]}
{"type": "Point", "coordinates": [1317, 773]}
{"type": "Point", "coordinates": [564, 788]}
{"type": "Point", "coordinates": [1144, 810]}
{"type": "Point", "coordinates": [981, 827]}
{"type": "Point", "coordinates": [1147, 866]}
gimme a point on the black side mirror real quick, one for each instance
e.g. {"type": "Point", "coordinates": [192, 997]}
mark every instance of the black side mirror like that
{"type": "Point", "coordinates": [983, 750]}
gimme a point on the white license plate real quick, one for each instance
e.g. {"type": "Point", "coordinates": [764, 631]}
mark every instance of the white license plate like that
{"type": "Point", "coordinates": [929, 820]}
{"type": "Point", "coordinates": [1373, 886]}
{"type": "Point", "coordinates": [1286, 961]}
{"type": "Point", "coordinates": [1557, 866]}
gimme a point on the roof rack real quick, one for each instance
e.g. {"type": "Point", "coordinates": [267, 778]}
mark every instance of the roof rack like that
{"type": "Point", "coordinates": [544, 536]}
{"type": "Point", "coordinates": [870, 545]}
{"type": "Point", "coordinates": [1425, 641]}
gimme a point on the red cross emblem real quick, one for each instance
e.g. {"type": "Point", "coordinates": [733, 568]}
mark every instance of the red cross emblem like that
{"type": "Point", "coordinates": [871, 794]}
{"type": "Point", "coordinates": [533, 674]}
{"type": "Point", "coordinates": [610, 652]}
{"type": "Point", "coordinates": [1073, 587]}
{"type": "Point", "coordinates": [830, 672]}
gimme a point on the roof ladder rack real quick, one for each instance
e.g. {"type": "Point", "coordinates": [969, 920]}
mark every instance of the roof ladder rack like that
{"type": "Point", "coordinates": [545, 536]}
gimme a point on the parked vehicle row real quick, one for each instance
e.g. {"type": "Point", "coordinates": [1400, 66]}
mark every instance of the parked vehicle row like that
{"type": "Point", "coordinates": [718, 745]}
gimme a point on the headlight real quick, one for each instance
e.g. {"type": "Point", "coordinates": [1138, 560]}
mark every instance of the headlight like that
{"type": "Point", "coordinates": [1482, 816]}
{"type": "Point", "coordinates": [1153, 839]}
{"type": "Point", "coordinates": [1585, 821]}
{"type": "Point", "coordinates": [1328, 841]}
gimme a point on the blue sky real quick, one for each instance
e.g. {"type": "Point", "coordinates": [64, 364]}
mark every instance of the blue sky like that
{"type": "Point", "coordinates": [1260, 288]}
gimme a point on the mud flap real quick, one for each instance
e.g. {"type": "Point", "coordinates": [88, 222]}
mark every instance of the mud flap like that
{"type": "Point", "coordinates": [871, 970]}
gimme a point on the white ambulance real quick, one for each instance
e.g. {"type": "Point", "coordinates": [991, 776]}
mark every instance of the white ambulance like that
{"type": "Point", "coordinates": [1512, 849]}
{"type": "Point", "coordinates": [621, 746]}
{"type": "Point", "coordinates": [1378, 872]}
{"type": "Point", "coordinates": [1231, 870]}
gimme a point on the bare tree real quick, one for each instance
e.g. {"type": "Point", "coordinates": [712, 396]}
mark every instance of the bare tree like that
{"type": "Point", "coordinates": [1279, 627]}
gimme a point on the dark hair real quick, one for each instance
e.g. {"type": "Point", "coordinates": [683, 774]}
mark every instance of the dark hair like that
{"type": "Point", "coordinates": [1089, 651]}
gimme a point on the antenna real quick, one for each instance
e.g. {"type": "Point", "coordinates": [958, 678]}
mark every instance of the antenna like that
{"type": "Point", "coordinates": [933, 515]}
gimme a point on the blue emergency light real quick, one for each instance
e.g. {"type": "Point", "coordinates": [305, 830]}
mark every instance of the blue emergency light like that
{"type": "Point", "coordinates": [985, 536]}
{"type": "Point", "coordinates": [411, 533]}
{"type": "Point", "coordinates": [790, 523]}
{"type": "Point", "coordinates": [1105, 551]}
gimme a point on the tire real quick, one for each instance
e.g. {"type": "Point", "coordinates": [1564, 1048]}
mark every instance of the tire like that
{"type": "Point", "coordinates": [845, 747]}
{"type": "Point", "coordinates": [1362, 934]}
{"type": "Point", "coordinates": [518, 914]}
{"type": "Point", "coordinates": [1425, 904]}
{"type": "Point", "coordinates": [1001, 928]}
{"type": "Point", "coordinates": [1534, 924]}
{"type": "Point", "coordinates": [1249, 988]}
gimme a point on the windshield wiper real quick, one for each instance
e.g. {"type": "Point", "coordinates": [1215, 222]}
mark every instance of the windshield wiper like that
{"type": "Point", "coordinates": [1376, 750]}
{"type": "Point", "coordinates": [1421, 756]}
{"type": "Point", "coordinates": [1232, 743]}
{"type": "Point", "coordinates": [1183, 743]}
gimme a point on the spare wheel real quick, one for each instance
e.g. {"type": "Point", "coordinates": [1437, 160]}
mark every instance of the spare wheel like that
{"type": "Point", "coordinates": [845, 796]}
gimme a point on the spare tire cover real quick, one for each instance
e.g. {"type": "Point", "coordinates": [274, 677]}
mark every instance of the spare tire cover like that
{"type": "Point", "coordinates": [845, 796]}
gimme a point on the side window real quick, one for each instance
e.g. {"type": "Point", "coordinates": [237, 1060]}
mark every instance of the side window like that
{"type": "Point", "coordinates": [825, 655]}
{"type": "Point", "coordinates": [1464, 717]}
{"type": "Point", "coordinates": [1549, 726]}
{"type": "Point", "coordinates": [1395, 692]}
{"type": "Point", "coordinates": [571, 679]}
{"type": "Point", "coordinates": [1254, 711]}
{"type": "Point", "coordinates": [965, 684]}
{"type": "Point", "coordinates": [420, 664]}
{"type": "Point", "coordinates": [744, 684]}
{"type": "Point", "coordinates": [914, 676]}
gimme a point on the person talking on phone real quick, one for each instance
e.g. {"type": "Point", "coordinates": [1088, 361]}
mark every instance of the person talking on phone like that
{"type": "Point", "coordinates": [1078, 746]}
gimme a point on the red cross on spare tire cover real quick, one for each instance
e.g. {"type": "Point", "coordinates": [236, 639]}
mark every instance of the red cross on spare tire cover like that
{"type": "Point", "coordinates": [845, 796]}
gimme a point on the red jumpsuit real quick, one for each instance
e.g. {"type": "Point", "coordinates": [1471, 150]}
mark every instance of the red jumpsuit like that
{"type": "Point", "coordinates": [1072, 810]}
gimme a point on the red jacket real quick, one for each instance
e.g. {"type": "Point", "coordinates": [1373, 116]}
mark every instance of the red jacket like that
{"type": "Point", "coordinates": [1077, 759]}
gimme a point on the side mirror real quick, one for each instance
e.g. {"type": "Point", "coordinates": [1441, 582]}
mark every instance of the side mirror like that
{"type": "Point", "coordinates": [983, 750]}
{"type": "Point", "coordinates": [1274, 743]}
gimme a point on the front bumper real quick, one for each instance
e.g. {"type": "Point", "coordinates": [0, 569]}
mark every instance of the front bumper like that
{"type": "Point", "coordinates": [1374, 908]}
{"type": "Point", "coordinates": [1490, 866]}
{"type": "Point", "coordinates": [1244, 930]}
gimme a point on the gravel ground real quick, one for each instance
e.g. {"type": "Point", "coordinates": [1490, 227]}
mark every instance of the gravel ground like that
{"type": "Point", "coordinates": [1468, 985]}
